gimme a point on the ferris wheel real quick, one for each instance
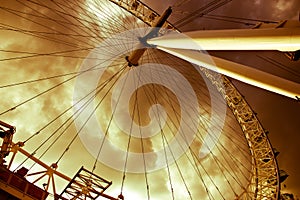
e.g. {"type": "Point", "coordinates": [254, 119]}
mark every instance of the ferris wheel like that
{"type": "Point", "coordinates": [109, 104]}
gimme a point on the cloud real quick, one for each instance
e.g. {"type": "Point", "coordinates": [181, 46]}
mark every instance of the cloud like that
{"type": "Point", "coordinates": [32, 116]}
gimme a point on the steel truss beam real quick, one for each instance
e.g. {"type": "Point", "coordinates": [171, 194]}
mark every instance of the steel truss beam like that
{"type": "Point", "coordinates": [265, 173]}
{"type": "Point", "coordinates": [86, 186]}
{"type": "Point", "coordinates": [141, 11]}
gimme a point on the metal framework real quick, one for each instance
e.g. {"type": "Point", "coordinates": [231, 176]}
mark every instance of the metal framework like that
{"type": "Point", "coordinates": [142, 11]}
{"type": "Point", "coordinates": [16, 184]}
{"type": "Point", "coordinates": [265, 174]}
{"type": "Point", "coordinates": [86, 185]}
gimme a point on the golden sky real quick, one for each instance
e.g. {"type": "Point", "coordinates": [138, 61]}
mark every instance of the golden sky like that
{"type": "Point", "coordinates": [56, 39]}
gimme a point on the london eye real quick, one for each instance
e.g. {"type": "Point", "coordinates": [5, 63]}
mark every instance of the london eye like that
{"type": "Point", "coordinates": [108, 99]}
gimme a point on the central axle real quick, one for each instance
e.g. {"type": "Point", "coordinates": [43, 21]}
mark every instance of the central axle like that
{"type": "Point", "coordinates": [135, 55]}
